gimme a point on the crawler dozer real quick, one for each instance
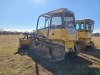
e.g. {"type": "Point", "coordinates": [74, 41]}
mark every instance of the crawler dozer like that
{"type": "Point", "coordinates": [55, 35]}
{"type": "Point", "coordinates": [84, 29]}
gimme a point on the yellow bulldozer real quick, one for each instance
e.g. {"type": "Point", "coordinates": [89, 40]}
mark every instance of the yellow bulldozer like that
{"type": "Point", "coordinates": [55, 35]}
{"type": "Point", "coordinates": [84, 29]}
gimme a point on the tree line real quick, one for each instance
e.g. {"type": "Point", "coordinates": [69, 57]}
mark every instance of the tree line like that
{"type": "Point", "coordinates": [10, 33]}
{"type": "Point", "coordinates": [96, 34]}
{"type": "Point", "coordinates": [18, 33]}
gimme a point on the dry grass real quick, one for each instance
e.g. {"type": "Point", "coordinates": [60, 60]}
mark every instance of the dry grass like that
{"type": "Point", "coordinates": [17, 64]}
{"type": "Point", "coordinates": [11, 63]}
{"type": "Point", "coordinates": [96, 41]}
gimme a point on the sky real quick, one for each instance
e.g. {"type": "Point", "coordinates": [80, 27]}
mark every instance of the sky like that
{"type": "Point", "coordinates": [22, 14]}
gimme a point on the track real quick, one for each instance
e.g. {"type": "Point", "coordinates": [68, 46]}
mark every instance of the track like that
{"type": "Point", "coordinates": [48, 50]}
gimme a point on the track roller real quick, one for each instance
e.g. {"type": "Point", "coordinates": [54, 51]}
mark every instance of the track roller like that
{"type": "Point", "coordinates": [57, 52]}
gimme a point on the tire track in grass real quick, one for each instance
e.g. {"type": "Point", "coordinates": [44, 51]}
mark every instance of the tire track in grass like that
{"type": "Point", "coordinates": [90, 58]}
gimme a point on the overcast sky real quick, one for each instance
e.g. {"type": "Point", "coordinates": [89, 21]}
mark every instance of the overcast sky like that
{"type": "Point", "coordinates": [23, 14]}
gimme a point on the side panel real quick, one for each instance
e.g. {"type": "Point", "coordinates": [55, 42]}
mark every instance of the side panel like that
{"type": "Point", "coordinates": [55, 34]}
{"type": "Point", "coordinates": [65, 35]}
{"type": "Point", "coordinates": [43, 32]}
{"type": "Point", "coordinates": [81, 35]}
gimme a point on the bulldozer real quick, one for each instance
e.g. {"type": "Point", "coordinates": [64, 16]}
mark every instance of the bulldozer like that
{"type": "Point", "coordinates": [55, 36]}
{"type": "Point", "coordinates": [84, 29]}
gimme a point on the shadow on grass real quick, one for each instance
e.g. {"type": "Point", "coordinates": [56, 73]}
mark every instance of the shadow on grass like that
{"type": "Point", "coordinates": [73, 66]}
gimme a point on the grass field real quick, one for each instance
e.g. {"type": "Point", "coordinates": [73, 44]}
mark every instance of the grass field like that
{"type": "Point", "coordinates": [15, 62]}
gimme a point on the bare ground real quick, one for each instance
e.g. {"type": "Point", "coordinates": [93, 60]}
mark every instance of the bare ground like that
{"type": "Point", "coordinates": [25, 62]}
